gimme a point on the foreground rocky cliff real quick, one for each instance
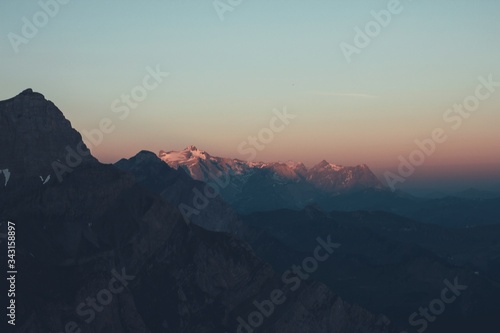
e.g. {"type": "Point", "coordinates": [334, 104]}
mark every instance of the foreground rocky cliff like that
{"type": "Point", "coordinates": [98, 253]}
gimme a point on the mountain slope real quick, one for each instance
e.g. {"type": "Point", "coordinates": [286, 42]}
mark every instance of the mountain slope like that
{"type": "Point", "coordinates": [180, 190]}
{"type": "Point", "coordinates": [76, 235]}
{"type": "Point", "coordinates": [391, 264]}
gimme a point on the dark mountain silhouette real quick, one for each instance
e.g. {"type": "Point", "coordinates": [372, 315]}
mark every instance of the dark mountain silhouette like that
{"type": "Point", "coordinates": [75, 235]}
{"type": "Point", "coordinates": [392, 264]}
{"type": "Point", "coordinates": [178, 188]}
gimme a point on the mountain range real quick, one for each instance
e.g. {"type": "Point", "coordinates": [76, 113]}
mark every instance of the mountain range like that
{"type": "Point", "coordinates": [259, 186]}
{"type": "Point", "coordinates": [76, 236]}
{"type": "Point", "coordinates": [279, 184]}
{"type": "Point", "coordinates": [323, 176]}
{"type": "Point", "coordinates": [212, 271]}
{"type": "Point", "coordinates": [383, 251]}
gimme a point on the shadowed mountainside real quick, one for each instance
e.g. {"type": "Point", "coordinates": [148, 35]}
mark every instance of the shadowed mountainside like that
{"type": "Point", "coordinates": [75, 235]}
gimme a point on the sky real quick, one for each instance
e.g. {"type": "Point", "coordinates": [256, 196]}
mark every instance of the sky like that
{"type": "Point", "coordinates": [231, 69]}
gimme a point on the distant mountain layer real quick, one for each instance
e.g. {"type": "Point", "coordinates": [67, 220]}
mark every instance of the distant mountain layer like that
{"type": "Point", "coordinates": [257, 186]}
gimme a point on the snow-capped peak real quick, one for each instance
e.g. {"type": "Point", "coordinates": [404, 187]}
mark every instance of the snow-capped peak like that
{"type": "Point", "coordinates": [190, 155]}
{"type": "Point", "coordinates": [327, 166]}
{"type": "Point", "coordinates": [293, 164]}
{"type": "Point", "coordinates": [201, 165]}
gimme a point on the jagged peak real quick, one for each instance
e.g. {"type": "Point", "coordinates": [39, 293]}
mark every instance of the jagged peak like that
{"type": "Point", "coordinates": [322, 164]}
{"type": "Point", "coordinates": [30, 93]}
{"type": "Point", "coordinates": [25, 93]}
{"type": "Point", "coordinates": [294, 164]}
{"type": "Point", "coordinates": [40, 130]}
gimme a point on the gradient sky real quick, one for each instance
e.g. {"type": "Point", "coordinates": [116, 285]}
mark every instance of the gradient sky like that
{"type": "Point", "coordinates": [227, 76]}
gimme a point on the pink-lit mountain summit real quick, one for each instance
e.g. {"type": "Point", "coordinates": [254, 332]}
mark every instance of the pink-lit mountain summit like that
{"type": "Point", "coordinates": [328, 177]}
